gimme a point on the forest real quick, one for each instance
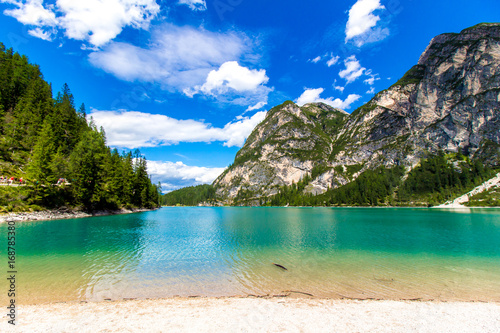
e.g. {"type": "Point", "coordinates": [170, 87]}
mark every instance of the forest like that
{"type": "Point", "coordinates": [190, 196]}
{"type": "Point", "coordinates": [436, 179]}
{"type": "Point", "coordinates": [52, 155]}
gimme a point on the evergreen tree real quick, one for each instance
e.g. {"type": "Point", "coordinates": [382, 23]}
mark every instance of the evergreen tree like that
{"type": "Point", "coordinates": [43, 139]}
{"type": "Point", "coordinates": [39, 167]}
{"type": "Point", "coordinates": [87, 168]}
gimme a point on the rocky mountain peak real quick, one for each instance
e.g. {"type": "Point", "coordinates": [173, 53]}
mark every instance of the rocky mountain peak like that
{"type": "Point", "coordinates": [441, 45]}
{"type": "Point", "coordinates": [449, 101]}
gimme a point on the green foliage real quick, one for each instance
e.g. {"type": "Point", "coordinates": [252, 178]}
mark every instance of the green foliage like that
{"type": "Point", "coordinates": [413, 76]}
{"type": "Point", "coordinates": [39, 165]}
{"type": "Point", "coordinates": [371, 188]}
{"type": "Point", "coordinates": [484, 24]}
{"type": "Point", "coordinates": [292, 195]}
{"type": "Point", "coordinates": [354, 168]}
{"type": "Point", "coordinates": [365, 108]}
{"type": "Point", "coordinates": [318, 170]}
{"type": "Point", "coordinates": [490, 198]}
{"type": "Point", "coordinates": [436, 180]}
{"type": "Point", "coordinates": [86, 162]}
{"type": "Point", "coordinates": [190, 196]}
{"type": "Point", "coordinates": [44, 139]}
{"type": "Point", "coordinates": [439, 178]}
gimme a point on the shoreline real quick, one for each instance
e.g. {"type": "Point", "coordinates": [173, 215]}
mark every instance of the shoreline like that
{"type": "Point", "coordinates": [56, 214]}
{"type": "Point", "coordinates": [412, 207]}
{"type": "Point", "coordinates": [262, 314]}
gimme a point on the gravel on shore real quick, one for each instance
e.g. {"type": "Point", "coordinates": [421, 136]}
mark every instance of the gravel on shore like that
{"type": "Point", "coordinates": [60, 214]}
{"type": "Point", "coordinates": [256, 315]}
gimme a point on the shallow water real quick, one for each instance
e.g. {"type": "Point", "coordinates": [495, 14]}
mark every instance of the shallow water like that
{"type": "Point", "coordinates": [388, 253]}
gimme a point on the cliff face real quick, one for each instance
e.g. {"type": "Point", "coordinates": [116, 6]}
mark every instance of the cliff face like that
{"type": "Point", "coordinates": [282, 149]}
{"type": "Point", "coordinates": [449, 101]}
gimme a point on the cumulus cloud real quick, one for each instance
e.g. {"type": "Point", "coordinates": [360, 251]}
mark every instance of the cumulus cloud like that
{"type": "Point", "coordinates": [361, 26]}
{"type": "Point", "coordinates": [313, 96]}
{"type": "Point", "coordinates": [353, 69]}
{"type": "Point", "coordinates": [232, 83]}
{"type": "Point", "coordinates": [171, 59]}
{"type": "Point", "coordinates": [32, 12]}
{"type": "Point", "coordinates": [230, 76]}
{"type": "Point", "coordinates": [174, 175]}
{"type": "Point", "coordinates": [122, 129]}
{"type": "Point", "coordinates": [194, 4]}
{"type": "Point", "coordinates": [99, 21]}
{"type": "Point", "coordinates": [94, 21]}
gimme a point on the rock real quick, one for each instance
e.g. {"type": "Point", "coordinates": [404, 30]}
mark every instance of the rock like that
{"type": "Point", "coordinates": [449, 101]}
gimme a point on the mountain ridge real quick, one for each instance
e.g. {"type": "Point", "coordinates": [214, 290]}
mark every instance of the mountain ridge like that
{"type": "Point", "coordinates": [448, 102]}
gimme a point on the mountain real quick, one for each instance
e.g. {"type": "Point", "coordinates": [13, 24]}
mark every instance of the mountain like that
{"type": "Point", "coordinates": [448, 103]}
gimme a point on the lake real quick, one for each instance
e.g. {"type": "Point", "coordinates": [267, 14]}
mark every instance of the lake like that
{"type": "Point", "coordinates": [387, 253]}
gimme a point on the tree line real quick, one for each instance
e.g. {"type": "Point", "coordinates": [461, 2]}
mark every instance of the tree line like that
{"type": "Point", "coordinates": [435, 180]}
{"type": "Point", "coordinates": [190, 196]}
{"type": "Point", "coordinates": [45, 139]}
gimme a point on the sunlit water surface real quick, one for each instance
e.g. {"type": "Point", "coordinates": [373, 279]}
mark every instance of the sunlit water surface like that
{"type": "Point", "coordinates": [341, 252]}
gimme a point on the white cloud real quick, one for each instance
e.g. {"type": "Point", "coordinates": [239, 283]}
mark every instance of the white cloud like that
{"type": "Point", "coordinates": [194, 4]}
{"type": "Point", "coordinates": [94, 21]}
{"type": "Point", "coordinates": [230, 76]}
{"type": "Point", "coordinates": [99, 21]}
{"type": "Point", "coordinates": [361, 24]}
{"type": "Point", "coordinates": [232, 83]}
{"type": "Point", "coordinates": [372, 78]}
{"type": "Point", "coordinates": [333, 60]}
{"type": "Point", "coordinates": [371, 91]}
{"type": "Point", "coordinates": [39, 33]}
{"type": "Point", "coordinates": [122, 129]}
{"type": "Point", "coordinates": [339, 88]}
{"type": "Point", "coordinates": [31, 12]}
{"type": "Point", "coordinates": [235, 133]}
{"type": "Point", "coordinates": [312, 96]}
{"type": "Point", "coordinates": [256, 106]}
{"type": "Point", "coordinates": [315, 60]}
{"type": "Point", "coordinates": [174, 175]}
{"type": "Point", "coordinates": [353, 69]}
{"type": "Point", "coordinates": [171, 59]}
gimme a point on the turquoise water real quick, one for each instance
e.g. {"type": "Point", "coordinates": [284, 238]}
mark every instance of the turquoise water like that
{"type": "Point", "coordinates": [384, 253]}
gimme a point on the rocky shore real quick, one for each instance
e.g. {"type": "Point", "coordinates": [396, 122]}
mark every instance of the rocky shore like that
{"type": "Point", "coordinates": [61, 214]}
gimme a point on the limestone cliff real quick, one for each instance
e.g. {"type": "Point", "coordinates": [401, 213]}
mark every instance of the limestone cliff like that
{"type": "Point", "coordinates": [449, 101]}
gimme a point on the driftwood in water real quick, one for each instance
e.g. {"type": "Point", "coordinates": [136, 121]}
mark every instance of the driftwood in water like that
{"type": "Point", "coordinates": [280, 266]}
{"type": "Point", "coordinates": [298, 292]}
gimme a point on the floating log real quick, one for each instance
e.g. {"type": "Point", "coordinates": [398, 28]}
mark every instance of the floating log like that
{"type": "Point", "coordinates": [280, 266]}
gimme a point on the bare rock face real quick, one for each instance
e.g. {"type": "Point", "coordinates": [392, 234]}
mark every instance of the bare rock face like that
{"type": "Point", "coordinates": [449, 101]}
{"type": "Point", "coordinates": [282, 149]}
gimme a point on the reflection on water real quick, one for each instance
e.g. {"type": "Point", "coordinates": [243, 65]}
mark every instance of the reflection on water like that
{"type": "Point", "coordinates": [359, 253]}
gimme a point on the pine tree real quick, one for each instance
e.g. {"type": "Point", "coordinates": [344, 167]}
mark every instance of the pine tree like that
{"type": "Point", "coordinates": [87, 168]}
{"type": "Point", "coordinates": [39, 167]}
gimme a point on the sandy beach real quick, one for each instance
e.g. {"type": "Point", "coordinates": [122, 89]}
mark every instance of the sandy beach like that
{"type": "Point", "coordinates": [257, 315]}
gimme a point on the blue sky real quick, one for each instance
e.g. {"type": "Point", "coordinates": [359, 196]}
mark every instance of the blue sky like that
{"type": "Point", "coordinates": [186, 81]}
